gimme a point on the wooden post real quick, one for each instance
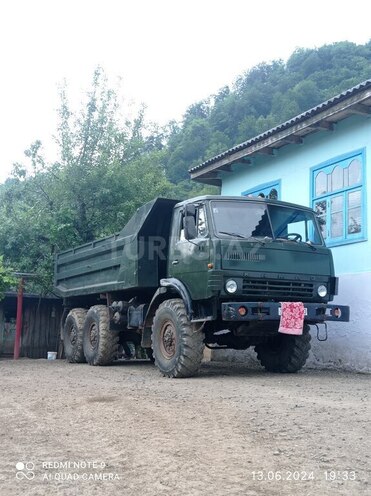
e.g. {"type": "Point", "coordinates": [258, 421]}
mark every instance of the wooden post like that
{"type": "Point", "coordinates": [18, 325]}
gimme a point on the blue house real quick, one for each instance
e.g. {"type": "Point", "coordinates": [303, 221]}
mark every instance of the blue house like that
{"type": "Point", "coordinates": [322, 159]}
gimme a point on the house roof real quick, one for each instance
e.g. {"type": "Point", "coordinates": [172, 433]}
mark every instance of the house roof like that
{"type": "Point", "coordinates": [356, 100]}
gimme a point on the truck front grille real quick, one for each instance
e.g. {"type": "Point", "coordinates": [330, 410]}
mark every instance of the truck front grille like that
{"type": "Point", "coordinates": [261, 288]}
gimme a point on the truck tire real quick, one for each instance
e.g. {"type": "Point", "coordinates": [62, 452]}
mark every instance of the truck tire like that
{"type": "Point", "coordinates": [73, 331]}
{"type": "Point", "coordinates": [177, 345]}
{"type": "Point", "coordinates": [100, 343]}
{"type": "Point", "coordinates": [285, 353]}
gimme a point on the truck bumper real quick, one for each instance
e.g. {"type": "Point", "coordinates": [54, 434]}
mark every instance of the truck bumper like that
{"type": "Point", "coordinates": [315, 313]}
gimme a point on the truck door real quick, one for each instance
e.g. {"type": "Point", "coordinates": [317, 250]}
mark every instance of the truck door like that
{"type": "Point", "coordinates": [188, 258]}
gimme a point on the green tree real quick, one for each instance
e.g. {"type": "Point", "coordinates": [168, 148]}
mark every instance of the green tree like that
{"type": "Point", "coordinates": [105, 170]}
{"type": "Point", "coordinates": [7, 279]}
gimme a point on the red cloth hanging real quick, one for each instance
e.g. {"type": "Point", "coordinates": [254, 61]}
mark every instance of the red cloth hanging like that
{"type": "Point", "coordinates": [292, 318]}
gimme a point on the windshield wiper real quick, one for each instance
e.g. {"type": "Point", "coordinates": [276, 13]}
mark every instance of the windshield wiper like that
{"type": "Point", "coordinates": [250, 238]}
{"type": "Point", "coordinates": [308, 243]}
{"type": "Point", "coordinates": [237, 235]}
{"type": "Point", "coordinates": [261, 241]}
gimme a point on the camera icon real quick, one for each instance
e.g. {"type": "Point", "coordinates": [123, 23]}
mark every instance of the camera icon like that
{"type": "Point", "coordinates": [25, 471]}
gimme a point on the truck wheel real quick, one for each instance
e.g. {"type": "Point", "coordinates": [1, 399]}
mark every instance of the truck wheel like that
{"type": "Point", "coordinates": [285, 353]}
{"type": "Point", "coordinates": [100, 343]}
{"type": "Point", "coordinates": [177, 346]}
{"type": "Point", "coordinates": [73, 335]}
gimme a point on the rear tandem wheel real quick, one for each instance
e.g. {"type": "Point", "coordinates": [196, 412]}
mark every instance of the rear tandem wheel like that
{"type": "Point", "coordinates": [73, 335]}
{"type": "Point", "coordinates": [100, 342]}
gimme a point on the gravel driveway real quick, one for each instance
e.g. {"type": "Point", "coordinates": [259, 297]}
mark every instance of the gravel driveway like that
{"type": "Point", "coordinates": [125, 430]}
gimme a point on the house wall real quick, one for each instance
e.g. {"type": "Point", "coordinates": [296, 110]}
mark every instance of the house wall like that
{"type": "Point", "coordinates": [349, 344]}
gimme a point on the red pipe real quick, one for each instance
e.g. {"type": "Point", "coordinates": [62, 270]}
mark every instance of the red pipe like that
{"type": "Point", "coordinates": [18, 325]}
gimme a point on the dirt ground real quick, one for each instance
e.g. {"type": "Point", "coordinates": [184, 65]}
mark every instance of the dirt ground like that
{"type": "Point", "coordinates": [125, 430]}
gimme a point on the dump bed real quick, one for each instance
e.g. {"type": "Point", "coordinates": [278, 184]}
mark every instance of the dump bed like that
{"type": "Point", "coordinates": [133, 258]}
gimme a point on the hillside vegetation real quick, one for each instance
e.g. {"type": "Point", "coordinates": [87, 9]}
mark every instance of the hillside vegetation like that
{"type": "Point", "coordinates": [263, 97]}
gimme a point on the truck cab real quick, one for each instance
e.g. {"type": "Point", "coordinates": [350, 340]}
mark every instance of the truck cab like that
{"type": "Point", "coordinates": [250, 248]}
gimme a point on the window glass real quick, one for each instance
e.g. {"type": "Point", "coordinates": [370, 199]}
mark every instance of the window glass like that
{"type": "Point", "coordinates": [201, 223]}
{"type": "Point", "coordinates": [320, 208]}
{"type": "Point", "coordinates": [181, 232]}
{"type": "Point", "coordinates": [354, 172]}
{"type": "Point", "coordinates": [241, 219]}
{"type": "Point", "coordinates": [273, 194]}
{"type": "Point", "coordinates": [337, 179]}
{"type": "Point", "coordinates": [354, 212]}
{"type": "Point", "coordinates": [287, 222]}
{"type": "Point", "coordinates": [321, 184]}
{"type": "Point", "coordinates": [337, 220]}
{"type": "Point", "coordinates": [270, 191]}
{"type": "Point", "coordinates": [339, 207]}
{"type": "Point", "coordinates": [253, 220]}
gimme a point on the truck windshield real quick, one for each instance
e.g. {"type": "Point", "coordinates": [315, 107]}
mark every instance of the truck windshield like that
{"type": "Point", "coordinates": [251, 220]}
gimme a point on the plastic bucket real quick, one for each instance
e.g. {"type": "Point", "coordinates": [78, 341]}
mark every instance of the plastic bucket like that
{"type": "Point", "coordinates": [52, 355]}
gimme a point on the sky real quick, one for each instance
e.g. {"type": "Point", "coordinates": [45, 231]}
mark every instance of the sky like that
{"type": "Point", "coordinates": [167, 53]}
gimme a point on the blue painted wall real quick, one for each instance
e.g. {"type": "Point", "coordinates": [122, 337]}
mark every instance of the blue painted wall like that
{"type": "Point", "coordinates": [292, 166]}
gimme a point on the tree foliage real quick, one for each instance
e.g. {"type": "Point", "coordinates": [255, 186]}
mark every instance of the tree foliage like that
{"type": "Point", "coordinates": [7, 279]}
{"type": "Point", "coordinates": [103, 174]}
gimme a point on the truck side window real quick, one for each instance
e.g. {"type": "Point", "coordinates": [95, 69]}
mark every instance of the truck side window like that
{"type": "Point", "coordinates": [181, 236]}
{"type": "Point", "coordinates": [181, 232]}
{"type": "Point", "coordinates": [201, 223]}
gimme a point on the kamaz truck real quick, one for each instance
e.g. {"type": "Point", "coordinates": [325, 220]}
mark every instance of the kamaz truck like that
{"type": "Point", "coordinates": [211, 271]}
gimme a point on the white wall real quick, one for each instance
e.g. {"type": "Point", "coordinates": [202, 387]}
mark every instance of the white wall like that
{"type": "Point", "coordinates": [349, 343]}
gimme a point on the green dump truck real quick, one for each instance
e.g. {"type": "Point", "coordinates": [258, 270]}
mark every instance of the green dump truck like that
{"type": "Point", "coordinates": [211, 271]}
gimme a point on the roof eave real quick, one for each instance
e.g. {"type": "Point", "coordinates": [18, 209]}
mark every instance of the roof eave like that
{"type": "Point", "coordinates": [320, 118]}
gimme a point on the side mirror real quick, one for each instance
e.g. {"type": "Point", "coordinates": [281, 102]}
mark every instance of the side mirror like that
{"type": "Point", "coordinates": [189, 224]}
{"type": "Point", "coordinates": [189, 221]}
{"type": "Point", "coordinates": [190, 210]}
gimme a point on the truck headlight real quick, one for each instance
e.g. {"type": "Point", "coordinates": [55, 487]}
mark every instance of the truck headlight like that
{"type": "Point", "coordinates": [231, 286]}
{"type": "Point", "coordinates": [322, 291]}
